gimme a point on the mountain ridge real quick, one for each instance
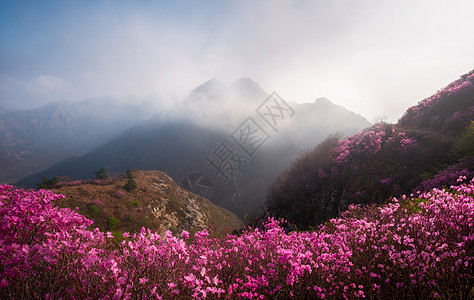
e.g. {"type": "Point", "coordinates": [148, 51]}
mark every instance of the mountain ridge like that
{"type": "Point", "coordinates": [184, 145]}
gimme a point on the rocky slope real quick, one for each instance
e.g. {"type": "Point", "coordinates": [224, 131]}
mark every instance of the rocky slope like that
{"type": "Point", "coordinates": [157, 203]}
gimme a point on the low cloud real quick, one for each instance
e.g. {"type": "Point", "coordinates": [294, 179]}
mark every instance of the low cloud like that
{"type": "Point", "coordinates": [18, 93]}
{"type": "Point", "coordinates": [45, 84]}
{"type": "Point", "coordinates": [372, 57]}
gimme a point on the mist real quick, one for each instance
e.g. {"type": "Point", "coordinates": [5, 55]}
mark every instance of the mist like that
{"type": "Point", "coordinates": [372, 58]}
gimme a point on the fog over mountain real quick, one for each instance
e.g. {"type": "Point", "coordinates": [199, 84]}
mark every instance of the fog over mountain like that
{"type": "Point", "coordinates": [239, 136]}
{"type": "Point", "coordinates": [372, 57]}
{"type": "Point", "coordinates": [32, 140]}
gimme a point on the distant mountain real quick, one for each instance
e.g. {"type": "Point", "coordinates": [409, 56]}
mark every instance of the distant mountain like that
{"type": "Point", "coordinates": [156, 203]}
{"type": "Point", "coordinates": [200, 141]}
{"type": "Point", "coordinates": [210, 89]}
{"type": "Point", "coordinates": [247, 90]}
{"type": "Point", "coordinates": [243, 89]}
{"type": "Point", "coordinates": [324, 116]}
{"type": "Point", "coordinates": [431, 146]}
{"type": "Point", "coordinates": [213, 104]}
{"type": "Point", "coordinates": [32, 140]}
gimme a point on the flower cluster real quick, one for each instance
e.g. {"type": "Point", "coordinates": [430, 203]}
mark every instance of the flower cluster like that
{"type": "Point", "coordinates": [97, 203]}
{"type": "Point", "coordinates": [44, 250]}
{"type": "Point", "coordinates": [387, 181]}
{"type": "Point", "coordinates": [103, 181]}
{"type": "Point", "coordinates": [459, 119]}
{"type": "Point", "coordinates": [445, 178]}
{"type": "Point", "coordinates": [367, 143]}
{"type": "Point", "coordinates": [70, 183]}
{"type": "Point", "coordinates": [407, 143]}
{"type": "Point", "coordinates": [410, 248]}
{"type": "Point", "coordinates": [88, 181]}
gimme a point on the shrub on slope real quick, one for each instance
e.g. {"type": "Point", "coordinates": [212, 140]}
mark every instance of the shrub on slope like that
{"type": "Point", "coordinates": [411, 248]}
{"type": "Point", "coordinates": [449, 176]}
{"type": "Point", "coordinates": [450, 109]}
{"type": "Point", "coordinates": [367, 167]}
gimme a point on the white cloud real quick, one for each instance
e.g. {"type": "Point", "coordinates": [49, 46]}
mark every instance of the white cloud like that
{"type": "Point", "coordinates": [19, 93]}
{"type": "Point", "coordinates": [48, 84]}
{"type": "Point", "coordinates": [370, 56]}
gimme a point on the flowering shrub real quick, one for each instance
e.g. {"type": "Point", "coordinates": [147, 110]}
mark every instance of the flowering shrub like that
{"type": "Point", "coordinates": [459, 119]}
{"type": "Point", "coordinates": [386, 181]}
{"type": "Point", "coordinates": [103, 181]}
{"type": "Point", "coordinates": [89, 181]}
{"type": "Point", "coordinates": [70, 183]}
{"type": "Point", "coordinates": [98, 203]}
{"type": "Point", "coordinates": [45, 251]}
{"type": "Point", "coordinates": [411, 248]}
{"type": "Point", "coordinates": [322, 183]}
{"type": "Point", "coordinates": [407, 143]}
{"type": "Point", "coordinates": [462, 169]}
{"type": "Point", "coordinates": [369, 142]}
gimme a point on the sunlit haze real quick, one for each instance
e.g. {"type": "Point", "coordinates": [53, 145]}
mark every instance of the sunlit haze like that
{"type": "Point", "coordinates": [375, 58]}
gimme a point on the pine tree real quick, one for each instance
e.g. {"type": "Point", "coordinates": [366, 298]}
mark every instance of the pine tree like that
{"type": "Point", "coordinates": [101, 174]}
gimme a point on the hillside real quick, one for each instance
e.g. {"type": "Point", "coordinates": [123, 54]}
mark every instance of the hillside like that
{"type": "Point", "coordinates": [156, 203]}
{"type": "Point", "coordinates": [430, 146]}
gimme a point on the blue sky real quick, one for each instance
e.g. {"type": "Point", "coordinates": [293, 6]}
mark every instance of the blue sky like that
{"type": "Point", "coordinates": [373, 57]}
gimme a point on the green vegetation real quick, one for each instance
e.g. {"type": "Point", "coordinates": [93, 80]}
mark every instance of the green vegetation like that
{"type": "Point", "coordinates": [135, 203]}
{"type": "Point", "coordinates": [464, 145]}
{"type": "Point", "coordinates": [426, 175]}
{"type": "Point", "coordinates": [175, 205]}
{"type": "Point", "coordinates": [101, 174]}
{"type": "Point", "coordinates": [412, 205]}
{"type": "Point", "coordinates": [113, 222]}
{"type": "Point", "coordinates": [47, 183]}
{"type": "Point", "coordinates": [118, 238]}
{"type": "Point", "coordinates": [94, 209]}
{"type": "Point", "coordinates": [174, 230]}
{"type": "Point", "coordinates": [131, 184]}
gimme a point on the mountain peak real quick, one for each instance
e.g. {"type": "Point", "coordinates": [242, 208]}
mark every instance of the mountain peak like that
{"type": "Point", "coordinates": [211, 87]}
{"type": "Point", "coordinates": [210, 90]}
{"type": "Point", "coordinates": [244, 82]}
{"type": "Point", "coordinates": [323, 101]}
{"type": "Point", "coordinates": [246, 88]}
